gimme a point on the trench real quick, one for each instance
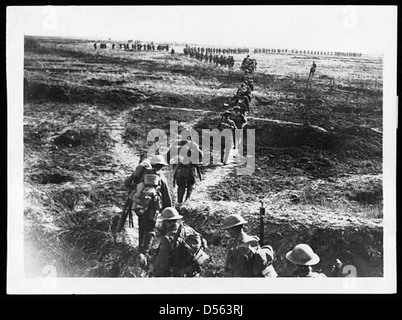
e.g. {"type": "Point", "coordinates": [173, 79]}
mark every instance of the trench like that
{"type": "Point", "coordinates": [353, 241]}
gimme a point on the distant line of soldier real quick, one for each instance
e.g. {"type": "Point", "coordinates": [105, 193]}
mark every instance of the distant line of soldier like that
{"type": "Point", "coordinates": [313, 52]}
{"type": "Point", "coordinates": [221, 50]}
{"type": "Point", "coordinates": [133, 46]}
{"type": "Point", "coordinates": [208, 57]}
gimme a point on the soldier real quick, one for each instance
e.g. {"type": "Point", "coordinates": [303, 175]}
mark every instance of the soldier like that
{"type": "Point", "coordinates": [245, 62]}
{"type": "Point", "coordinates": [302, 258]}
{"type": "Point", "coordinates": [226, 123]}
{"type": "Point", "coordinates": [240, 121]}
{"type": "Point", "coordinates": [240, 260]}
{"type": "Point", "coordinates": [244, 105]}
{"type": "Point", "coordinates": [243, 91]}
{"type": "Point", "coordinates": [312, 69]}
{"type": "Point", "coordinates": [146, 211]}
{"type": "Point", "coordinates": [185, 173]}
{"type": "Point", "coordinates": [247, 79]}
{"type": "Point", "coordinates": [172, 260]}
{"type": "Point", "coordinates": [311, 74]}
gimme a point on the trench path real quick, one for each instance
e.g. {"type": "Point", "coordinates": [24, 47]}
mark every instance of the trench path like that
{"type": "Point", "coordinates": [124, 157]}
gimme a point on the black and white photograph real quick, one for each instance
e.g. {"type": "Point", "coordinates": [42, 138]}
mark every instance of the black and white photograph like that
{"type": "Point", "coordinates": [195, 149]}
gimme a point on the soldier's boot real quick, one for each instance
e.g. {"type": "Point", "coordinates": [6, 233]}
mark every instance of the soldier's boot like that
{"type": "Point", "coordinates": [189, 192]}
{"type": "Point", "coordinates": [180, 194]}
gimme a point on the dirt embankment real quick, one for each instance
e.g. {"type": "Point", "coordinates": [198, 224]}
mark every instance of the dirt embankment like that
{"type": "Point", "coordinates": [86, 118]}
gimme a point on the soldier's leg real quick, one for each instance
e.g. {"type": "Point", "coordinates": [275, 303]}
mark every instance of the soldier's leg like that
{"type": "Point", "coordinates": [222, 151]}
{"type": "Point", "coordinates": [190, 187]}
{"type": "Point", "coordinates": [181, 188]}
{"type": "Point", "coordinates": [233, 138]}
{"type": "Point", "coordinates": [149, 235]}
{"type": "Point", "coordinates": [227, 149]}
{"type": "Point", "coordinates": [140, 229]}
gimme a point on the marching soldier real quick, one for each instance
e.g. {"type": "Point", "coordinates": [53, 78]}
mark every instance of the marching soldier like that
{"type": "Point", "coordinates": [173, 260]}
{"type": "Point", "coordinates": [185, 173]}
{"type": "Point", "coordinates": [311, 75]}
{"type": "Point", "coordinates": [240, 121]}
{"type": "Point", "coordinates": [149, 194]}
{"type": "Point", "coordinates": [226, 123]}
{"type": "Point", "coordinates": [240, 259]}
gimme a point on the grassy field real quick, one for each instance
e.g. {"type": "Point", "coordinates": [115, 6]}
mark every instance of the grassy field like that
{"type": "Point", "coordinates": [318, 154]}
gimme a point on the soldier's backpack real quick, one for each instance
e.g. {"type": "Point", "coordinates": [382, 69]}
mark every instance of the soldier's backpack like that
{"type": "Point", "coordinates": [143, 168]}
{"type": "Point", "coordinates": [147, 197]}
{"type": "Point", "coordinates": [187, 248]}
{"type": "Point", "coordinates": [145, 188]}
{"type": "Point", "coordinates": [260, 258]}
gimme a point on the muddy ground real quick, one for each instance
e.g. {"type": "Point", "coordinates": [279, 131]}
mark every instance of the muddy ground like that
{"type": "Point", "coordinates": [318, 166]}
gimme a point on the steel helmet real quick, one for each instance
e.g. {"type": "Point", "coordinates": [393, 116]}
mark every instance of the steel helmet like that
{"type": "Point", "coordinates": [158, 159]}
{"type": "Point", "coordinates": [170, 213]}
{"type": "Point", "coordinates": [302, 254]}
{"type": "Point", "coordinates": [232, 221]}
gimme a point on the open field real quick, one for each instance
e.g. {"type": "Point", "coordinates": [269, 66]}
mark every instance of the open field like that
{"type": "Point", "coordinates": [318, 170]}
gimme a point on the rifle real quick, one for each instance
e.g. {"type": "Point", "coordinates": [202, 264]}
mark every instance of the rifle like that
{"type": "Point", "coordinates": [127, 211]}
{"type": "Point", "coordinates": [262, 213]}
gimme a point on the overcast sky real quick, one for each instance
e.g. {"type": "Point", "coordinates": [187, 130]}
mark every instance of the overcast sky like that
{"type": "Point", "coordinates": [345, 28]}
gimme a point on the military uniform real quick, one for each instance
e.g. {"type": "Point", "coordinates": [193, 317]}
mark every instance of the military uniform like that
{"type": "Point", "coordinates": [184, 176]}
{"type": "Point", "coordinates": [239, 261]}
{"type": "Point", "coordinates": [238, 119]}
{"type": "Point", "coordinates": [147, 218]}
{"type": "Point", "coordinates": [312, 69]}
{"type": "Point", "coordinates": [170, 263]}
{"type": "Point", "coordinates": [226, 123]}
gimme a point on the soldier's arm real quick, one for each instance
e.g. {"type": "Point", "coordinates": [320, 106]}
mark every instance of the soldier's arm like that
{"type": "Point", "coordinates": [161, 267]}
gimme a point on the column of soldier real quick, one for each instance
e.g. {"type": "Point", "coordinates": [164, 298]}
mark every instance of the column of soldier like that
{"type": "Point", "coordinates": [235, 116]}
{"type": "Point", "coordinates": [314, 52]}
{"type": "Point", "coordinates": [135, 46]}
{"type": "Point", "coordinates": [240, 101]}
{"type": "Point", "coordinates": [182, 251]}
{"type": "Point", "coordinates": [208, 55]}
